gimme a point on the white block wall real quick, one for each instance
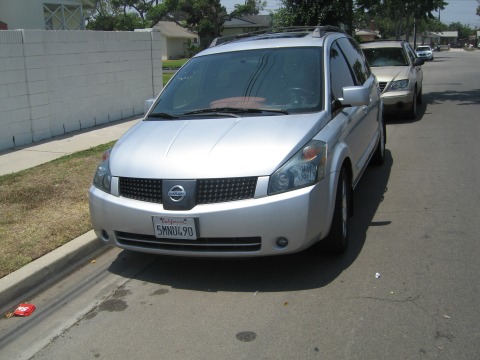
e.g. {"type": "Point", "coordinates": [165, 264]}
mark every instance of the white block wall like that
{"type": "Point", "coordinates": [54, 82]}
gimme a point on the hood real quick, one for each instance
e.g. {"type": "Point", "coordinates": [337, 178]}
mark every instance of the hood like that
{"type": "Point", "coordinates": [389, 73]}
{"type": "Point", "coordinates": [211, 148]}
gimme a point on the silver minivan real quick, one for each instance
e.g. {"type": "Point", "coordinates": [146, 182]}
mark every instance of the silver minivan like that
{"type": "Point", "coordinates": [253, 148]}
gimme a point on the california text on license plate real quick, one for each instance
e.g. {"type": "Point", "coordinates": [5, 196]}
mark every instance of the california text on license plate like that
{"type": "Point", "coordinates": [174, 228]}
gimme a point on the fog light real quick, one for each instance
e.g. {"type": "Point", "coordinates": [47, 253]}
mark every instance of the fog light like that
{"type": "Point", "coordinates": [105, 236]}
{"type": "Point", "coordinates": [282, 242]}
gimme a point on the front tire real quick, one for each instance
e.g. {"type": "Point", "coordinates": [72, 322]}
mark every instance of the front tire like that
{"type": "Point", "coordinates": [420, 97]}
{"type": "Point", "coordinates": [378, 157]}
{"type": "Point", "coordinates": [338, 237]}
{"type": "Point", "coordinates": [412, 113]}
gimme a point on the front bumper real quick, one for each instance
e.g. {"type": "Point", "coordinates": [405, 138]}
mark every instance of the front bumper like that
{"type": "Point", "coordinates": [395, 102]}
{"type": "Point", "coordinates": [244, 228]}
{"type": "Point", "coordinates": [425, 56]}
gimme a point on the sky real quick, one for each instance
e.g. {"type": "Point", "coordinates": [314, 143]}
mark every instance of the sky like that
{"type": "Point", "coordinates": [462, 11]}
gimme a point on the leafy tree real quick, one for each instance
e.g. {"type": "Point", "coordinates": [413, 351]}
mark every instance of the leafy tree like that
{"type": "Point", "coordinates": [464, 31]}
{"type": "Point", "coordinates": [251, 7]}
{"type": "Point", "coordinates": [157, 12]}
{"type": "Point", "coordinates": [435, 25]}
{"type": "Point", "coordinates": [206, 17]}
{"type": "Point", "coordinates": [141, 7]}
{"type": "Point", "coordinates": [315, 12]}
{"type": "Point", "coordinates": [283, 17]}
{"type": "Point", "coordinates": [404, 14]}
{"type": "Point", "coordinates": [127, 22]}
{"type": "Point", "coordinates": [117, 15]}
{"type": "Point", "coordinates": [108, 16]}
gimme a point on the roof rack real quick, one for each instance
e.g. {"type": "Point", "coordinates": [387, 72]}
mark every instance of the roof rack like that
{"type": "Point", "coordinates": [383, 40]}
{"type": "Point", "coordinates": [318, 32]}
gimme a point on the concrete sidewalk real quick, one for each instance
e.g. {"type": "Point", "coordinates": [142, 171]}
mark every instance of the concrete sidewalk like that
{"type": "Point", "coordinates": [31, 155]}
{"type": "Point", "coordinates": [28, 280]}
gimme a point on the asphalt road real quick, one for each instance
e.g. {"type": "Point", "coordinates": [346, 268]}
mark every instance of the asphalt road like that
{"type": "Point", "coordinates": [408, 288]}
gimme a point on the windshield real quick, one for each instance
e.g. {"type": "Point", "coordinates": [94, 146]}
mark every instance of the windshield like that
{"type": "Point", "coordinates": [285, 80]}
{"type": "Point", "coordinates": [378, 57]}
{"type": "Point", "coordinates": [423, 48]}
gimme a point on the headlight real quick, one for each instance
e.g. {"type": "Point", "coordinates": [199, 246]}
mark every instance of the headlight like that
{"type": "Point", "coordinates": [399, 85]}
{"type": "Point", "coordinates": [305, 168]}
{"type": "Point", "coordinates": [103, 177]}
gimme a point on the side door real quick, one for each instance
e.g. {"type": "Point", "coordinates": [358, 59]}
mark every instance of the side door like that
{"type": "Point", "coordinates": [416, 71]}
{"type": "Point", "coordinates": [348, 68]}
{"type": "Point", "coordinates": [363, 76]}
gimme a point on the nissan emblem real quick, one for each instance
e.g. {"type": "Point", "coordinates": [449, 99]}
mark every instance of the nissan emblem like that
{"type": "Point", "coordinates": [177, 193]}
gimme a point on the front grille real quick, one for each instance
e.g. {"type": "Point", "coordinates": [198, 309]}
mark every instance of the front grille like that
{"type": "Point", "coordinates": [149, 190]}
{"type": "Point", "coordinates": [209, 191]}
{"type": "Point", "coordinates": [243, 244]}
{"type": "Point", "coordinates": [382, 85]}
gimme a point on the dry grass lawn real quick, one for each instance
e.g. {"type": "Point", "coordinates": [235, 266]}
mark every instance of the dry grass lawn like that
{"type": "Point", "coordinates": [45, 207]}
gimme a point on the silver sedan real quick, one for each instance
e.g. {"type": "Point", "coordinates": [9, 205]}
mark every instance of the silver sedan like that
{"type": "Point", "coordinates": [399, 72]}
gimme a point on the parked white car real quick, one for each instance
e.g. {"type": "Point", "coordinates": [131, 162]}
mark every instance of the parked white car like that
{"type": "Point", "coordinates": [424, 52]}
{"type": "Point", "coordinates": [253, 148]}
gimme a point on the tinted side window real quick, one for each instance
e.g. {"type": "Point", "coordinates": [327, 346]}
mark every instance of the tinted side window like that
{"type": "Point", "coordinates": [356, 59]}
{"type": "Point", "coordinates": [340, 72]}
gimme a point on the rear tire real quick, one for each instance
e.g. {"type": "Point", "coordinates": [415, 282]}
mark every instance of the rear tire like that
{"type": "Point", "coordinates": [337, 239]}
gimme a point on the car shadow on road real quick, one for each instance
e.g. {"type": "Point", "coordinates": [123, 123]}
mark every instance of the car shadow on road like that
{"type": "Point", "coordinates": [460, 98]}
{"type": "Point", "coordinates": [310, 269]}
{"type": "Point", "coordinates": [404, 119]}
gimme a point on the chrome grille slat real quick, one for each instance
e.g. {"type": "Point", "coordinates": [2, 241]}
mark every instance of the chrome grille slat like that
{"type": "Point", "coordinates": [200, 245]}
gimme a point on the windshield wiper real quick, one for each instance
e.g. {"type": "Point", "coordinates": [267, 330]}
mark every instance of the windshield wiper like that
{"type": "Point", "coordinates": [232, 111]}
{"type": "Point", "coordinates": [161, 115]}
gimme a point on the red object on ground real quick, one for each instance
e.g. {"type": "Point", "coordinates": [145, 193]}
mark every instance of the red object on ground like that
{"type": "Point", "coordinates": [24, 310]}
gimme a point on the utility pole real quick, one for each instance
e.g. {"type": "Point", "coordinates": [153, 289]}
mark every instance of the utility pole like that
{"type": "Point", "coordinates": [415, 32]}
{"type": "Point", "coordinates": [349, 9]}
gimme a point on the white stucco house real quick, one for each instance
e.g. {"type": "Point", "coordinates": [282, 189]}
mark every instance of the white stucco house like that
{"type": "Point", "coordinates": [367, 34]}
{"type": "Point", "coordinates": [443, 38]}
{"type": "Point", "coordinates": [175, 40]}
{"type": "Point", "coordinates": [44, 14]}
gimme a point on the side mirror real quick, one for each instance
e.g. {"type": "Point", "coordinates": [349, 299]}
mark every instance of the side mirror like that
{"type": "Point", "coordinates": [147, 105]}
{"type": "Point", "coordinates": [418, 62]}
{"type": "Point", "coordinates": [355, 96]}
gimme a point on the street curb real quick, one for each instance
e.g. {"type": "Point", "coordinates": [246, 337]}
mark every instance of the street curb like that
{"type": "Point", "coordinates": [33, 277]}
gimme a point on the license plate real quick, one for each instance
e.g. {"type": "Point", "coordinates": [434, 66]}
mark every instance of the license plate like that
{"type": "Point", "coordinates": [174, 228]}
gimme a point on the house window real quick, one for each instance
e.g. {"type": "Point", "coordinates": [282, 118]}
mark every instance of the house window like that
{"type": "Point", "coordinates": [63, 17]}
